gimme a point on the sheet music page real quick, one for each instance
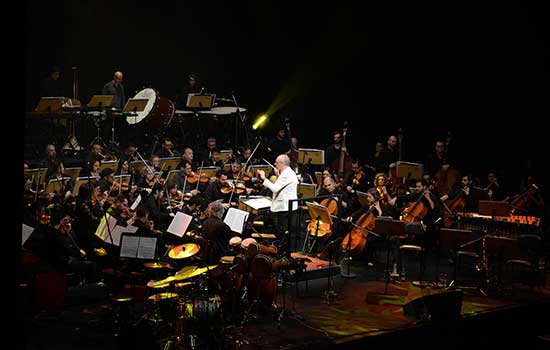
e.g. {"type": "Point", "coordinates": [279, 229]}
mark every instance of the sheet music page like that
{"type": "Point", "coordinates": [258, 203]}
{"type": "Point", "coordinates": [102, 231]}
{"type": "Point", "coordinates": [179, 224]}
{"type": "Point", "coordinates": [147, 247]}
{"type": "Point", "coordinates": [117, 233]}
{"type": "Point", "coordinates": [27, 231]}
{"type": "Point", "coordinates": [130, 247]}
{"type": "Point", "coordinates": [136, 203]}
{"type": "Point", "coordinates": [235, 219]}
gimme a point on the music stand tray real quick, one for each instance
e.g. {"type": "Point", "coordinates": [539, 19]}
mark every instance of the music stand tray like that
{"type": "Point", "coordinates": [306, 190]}
{"type": "Point", "coordinates": [38, 174]}
{"type": "Point", "coordinates": [311, 156]}
{"type": "Point", "coordinates": [73, 172]}
{"type": "Point", "coordinates": [49, 105]}
{"type": "Point", "coordinates": [411, 171]}
{"type": "Point", "coordinates": [225, 154]}
{"type": "Point", "coordinates": [135, 105]}
{"type": "Point", "coordinates": [494, 208]}
{"type": "Point", "coordinates": [168, 164]}
{"type": "Point", "coordinates": [137, 246]}
{"type": "Point", "coordinates": [84, 180]}
{"type": "Point", "coordinates": [56, 185]}
{"type": "Point", "coordinates": [200, 101]}
{"type": "Point", "coordinates": [255, 168]}
{"type": "Point", "coordinates": [101, 101]}
{"type": "Point", "coordinates": [137, 166]}
{"type": "Point", "coordinates": [111, 164]}
{"type": "Point", "coordinates": [388, 228]}
{"type": "Point", "coordinates": [319, 212]}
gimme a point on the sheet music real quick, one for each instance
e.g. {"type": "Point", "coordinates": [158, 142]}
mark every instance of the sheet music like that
{"type": "Point", "coordinates": [179, 224]}
{"type": "Point", "coordinates": [129, 247]}
{"type": "Point", "coordinates": [27, 231]}
{"type": "Point", "coordinates": [102, 231]}
{"type": "Point", "coordinates": [136, 203]}
{"type": "Point", "coordinates": [235, 219]}
{"type": "Point", "coordinates": [146, 247]}
{"type": "Point", "coordinates": [258, 203]}
{"type": "Point", "coordinates": [117, 233]}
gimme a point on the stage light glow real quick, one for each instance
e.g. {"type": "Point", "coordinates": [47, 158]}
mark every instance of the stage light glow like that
{"type": "Point", "coordinates": [259, 122]}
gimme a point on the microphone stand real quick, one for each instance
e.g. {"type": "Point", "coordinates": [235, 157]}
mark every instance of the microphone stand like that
{"type": "Point", "coordinates": [241, 118]}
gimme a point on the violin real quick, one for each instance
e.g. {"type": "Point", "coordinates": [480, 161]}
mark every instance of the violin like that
{"type": "Point", "coordinates": [357, 178]}
{"type": "Point", "coordinates": [202, 178]}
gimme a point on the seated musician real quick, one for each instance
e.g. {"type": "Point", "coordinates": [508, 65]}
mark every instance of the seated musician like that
{"type": "Point", "coordinates": [181, 178]}
{"type": "Point", "coordinates": [216, 232]}
{"type": "Point", "coordinates": [188, 155]}
{"type": "Point", "coordinates": [59, 174]}
{"type": "Point", "coordinates": [218, 189]}
{"type": "Point", "coordinates": [372, 205]}
{"type": "Point", "coordinates": [330, 187]}
{"type": "Point", "coordinates": [356, 180]}
{"type": "Point", "coordinates": [157, 213]}
{"type": "Point", "coordinates": [466, 191]}
{"type": "Point", "coordinates": [166, 149]}
{"type": "Point", "coordinates": [233, 173]}
{"type": "Point", "coordinates": [106, 180]}
{"type": "Point", "coordinates": [215, 159]}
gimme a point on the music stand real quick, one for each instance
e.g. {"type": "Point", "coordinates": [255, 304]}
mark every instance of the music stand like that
{"type": "Point", "coordinates": [38, 174]}
{"type": "Point", "coordinates": [137, 166]}
{"type": "Point", "coordinates": [50, 105]}
{"type": "Point", "coordinates": [73, 172]}
{"type": "Point", "coordinates": [226, 154]}
{"type": "Point", "coordinates": [200, 101]}
{"type": "Point", "coordinates": [169, 164]}
{"type": "Point", "coordinates": [311, 156]}
{"type": "Point", "coordinates": [83, 180]}
{"type": "Point", "coordinates": [111, 164]}
{"type": "Point", "coordinates": [306, 190]}
{"type": "Point", "coordinates": [133, 106]}
{"type": "Point", "coordinates": [56, 185]}
{"type": "Point", "coordinates": [388, 229]}
{"type": "Point", "coordinates": [100, 101]}
{"type": "Point", "coordinates": [138, 246]}
{"type": "Point", "coordinates": [255, 168]}
{"type": "Point", "coordinates": [494, 208]}
{"type": "Point", "coordinates": [410, 171]}
{"type": "Point", "coordinates": [363, 198]}
{"type": "Point", "coordinates": [322, 215]}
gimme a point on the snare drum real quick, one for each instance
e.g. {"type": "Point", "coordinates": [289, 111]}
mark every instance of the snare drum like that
{"type": "Point", "coordinates": [158, 112]}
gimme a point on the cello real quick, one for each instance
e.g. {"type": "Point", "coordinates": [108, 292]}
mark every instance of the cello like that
{"type": "Point", "coordinates": [358, 235]}
{"type": "Point", "coordinates": [416, 211]}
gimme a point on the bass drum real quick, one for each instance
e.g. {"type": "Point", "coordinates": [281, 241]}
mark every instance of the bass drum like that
{"type": "Point", "coordinates": [158, 112]}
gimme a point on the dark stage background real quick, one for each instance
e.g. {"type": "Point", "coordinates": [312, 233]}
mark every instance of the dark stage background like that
{"type": "Point", "coordinates": [480, 70]}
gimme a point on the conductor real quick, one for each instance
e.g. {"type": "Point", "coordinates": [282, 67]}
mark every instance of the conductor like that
{"type": "Point", "coordinates": [285, 188]}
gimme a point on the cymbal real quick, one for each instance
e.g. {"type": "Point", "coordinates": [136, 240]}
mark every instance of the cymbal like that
{"type": "Point", "coordinates": [157, 265]}
{"type": "Point", "coordinates": [156, 284]}
{"type": "Point", "coordinates": [192, 271]}
{"type": "Point", "coordinates": [183, 251]}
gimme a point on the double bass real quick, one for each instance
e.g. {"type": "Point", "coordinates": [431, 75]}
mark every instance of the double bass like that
{"type": "Point", "coordinates": [342, 165]}
{"type": "Point", "coordinates": [446, 179]}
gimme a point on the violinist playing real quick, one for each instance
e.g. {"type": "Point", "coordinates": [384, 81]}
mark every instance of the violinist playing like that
{"type": "Point", "coordinates": [219, 189]}
{"type": "Point", "coordinates": [356, 181]}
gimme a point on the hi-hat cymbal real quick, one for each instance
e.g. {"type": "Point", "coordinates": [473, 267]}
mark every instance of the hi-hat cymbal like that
{"type": "Point", "coordinates": [183, 251]}
{"type": "Point", "coordinates": [192, 271]}
{"type": "Point", "coordinates": [157, 265]}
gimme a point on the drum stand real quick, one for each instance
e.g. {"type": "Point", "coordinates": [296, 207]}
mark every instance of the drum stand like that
{"type": "Point", "coordinates": [98, 138]}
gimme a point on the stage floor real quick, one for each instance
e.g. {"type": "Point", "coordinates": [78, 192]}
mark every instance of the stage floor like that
{"type": "Point", "coordinates": [360, 316]}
